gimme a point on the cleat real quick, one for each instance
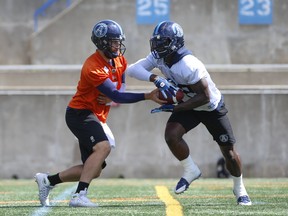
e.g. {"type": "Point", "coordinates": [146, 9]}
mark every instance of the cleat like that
{"type": "Point", "coordinates": [44, 188]}
{"type": "Point", "coordinates": [183, 185]}
{"type": "Point", "coordinates": [244, 200]}
{"type": "Point", "coordinates": [80, 200]}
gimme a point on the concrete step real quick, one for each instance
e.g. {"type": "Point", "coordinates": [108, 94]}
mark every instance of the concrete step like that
{"type": "Point", "coordinates": [67, 76]}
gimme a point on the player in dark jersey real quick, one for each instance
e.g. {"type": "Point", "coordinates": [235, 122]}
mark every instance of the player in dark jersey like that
{"type": "Point", "coordinates": [203, 103]}
{"type": "Point", "coordinates": [102, 81]}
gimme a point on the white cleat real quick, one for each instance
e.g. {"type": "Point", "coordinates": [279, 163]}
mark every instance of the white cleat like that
{"type": "Point", "coordinates": [44, 188]}
{"type": "Point", "coordinates": [80, 200]}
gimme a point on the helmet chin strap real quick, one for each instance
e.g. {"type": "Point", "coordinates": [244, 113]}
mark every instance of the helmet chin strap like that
{"type": "Point", "coordinates": [110, 54]}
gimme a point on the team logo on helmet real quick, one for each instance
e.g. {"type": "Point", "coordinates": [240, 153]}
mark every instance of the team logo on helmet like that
{"type": "Point", "coordinates": [100, 30]}
{"type": "Point", "coordinates": [177, 29]}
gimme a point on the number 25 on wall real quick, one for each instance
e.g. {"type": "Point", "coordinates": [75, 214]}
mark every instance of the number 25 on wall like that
{"type": "Point", "coordinates": [255, 12]}
{"type": "Point", "coordinates": [152, 11]}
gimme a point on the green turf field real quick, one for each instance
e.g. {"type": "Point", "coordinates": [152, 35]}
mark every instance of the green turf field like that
{"type": "Point", "coordinates": [121, 197]}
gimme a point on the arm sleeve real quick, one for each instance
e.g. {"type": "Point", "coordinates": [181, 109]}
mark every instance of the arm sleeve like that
{"type": "Point", "coordinates": [110, 91]}
{"type": "Point", "coordinates": [141, 69]}
{"type": "Point", "coordinates": [123, 86]}
{"type": "Point", "coordinates": [123, 78]}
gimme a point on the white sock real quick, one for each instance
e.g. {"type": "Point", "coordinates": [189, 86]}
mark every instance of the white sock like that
{"type": "Point", "coordinates": [239, 188]}
{"type": "Point", "coordinates": [191, 170]}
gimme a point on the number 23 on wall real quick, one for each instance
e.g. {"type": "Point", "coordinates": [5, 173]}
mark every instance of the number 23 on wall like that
{"type": "Point", "coordinates": [255, 12]}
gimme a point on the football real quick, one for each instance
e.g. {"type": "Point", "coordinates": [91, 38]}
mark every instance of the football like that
{"type": "Point", "coordinates": [173, 99]}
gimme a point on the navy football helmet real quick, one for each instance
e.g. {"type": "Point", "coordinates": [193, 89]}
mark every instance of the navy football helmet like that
{"type": "Point", "coordinates": [167, 38]}
{"type": "Point", "coordinates": [106, 31]}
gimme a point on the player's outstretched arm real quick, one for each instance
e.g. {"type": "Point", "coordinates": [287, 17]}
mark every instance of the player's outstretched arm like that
{"type": "Point", "coordinates": [141, 70]}
{"type": "Point", "coordinates": [107, 88]}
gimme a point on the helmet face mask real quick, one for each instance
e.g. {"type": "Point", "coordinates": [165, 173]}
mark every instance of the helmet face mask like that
{"type": "Point", "coordinates": [167, 38]}
{"type": "Point", "coordinates": [107, 35]}
{"type": "Point", "coordinates": [160, 47]}
{"type": "Point", "coordinates": [114, 48]}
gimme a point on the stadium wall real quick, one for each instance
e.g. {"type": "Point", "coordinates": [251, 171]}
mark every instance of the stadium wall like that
{"type": "Point", "coordinates": [34, 136]}
{"type": "Point", "coordinates": [211, 30]}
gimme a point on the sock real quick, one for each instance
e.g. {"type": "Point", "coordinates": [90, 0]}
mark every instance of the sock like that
{"type": "Point", "coordinates": [54, 179]}
{"type": "Point", "coordinates": [82, 186]}
{"type": "Point", "coordinates": [239, 188]}
{"type": "Point", "coordinates": [191, 170]}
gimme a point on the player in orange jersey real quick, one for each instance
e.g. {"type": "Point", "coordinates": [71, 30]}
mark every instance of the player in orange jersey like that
{"type": "Point", "coordinates": [102, 81]}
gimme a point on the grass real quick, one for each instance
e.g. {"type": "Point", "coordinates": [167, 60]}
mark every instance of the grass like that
{"type": "Point", "coordinates": [140, 197]}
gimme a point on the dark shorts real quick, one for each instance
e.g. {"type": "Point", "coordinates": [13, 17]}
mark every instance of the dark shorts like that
{"type": "Point", "coordinates": [216, 122]}
{"type": "Point", "coordinates": [88, 130]}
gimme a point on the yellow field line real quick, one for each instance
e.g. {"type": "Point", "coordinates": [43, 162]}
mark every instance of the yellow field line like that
{"type": "Point", "coordinates": [173, 207]}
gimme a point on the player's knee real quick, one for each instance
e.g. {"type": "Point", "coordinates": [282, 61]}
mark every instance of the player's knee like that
{"type": "Point", "coordinates": [103, 146]}
{"type": "Point", "coordinates": [173, 133]}
{"type": "Point", "coordinates": [172, 137]}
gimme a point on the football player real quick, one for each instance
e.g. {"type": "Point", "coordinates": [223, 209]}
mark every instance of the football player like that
{"type": "Point", "coordinates": [102, 80]}
{"type": "Point", "coordinates": [203, 103]}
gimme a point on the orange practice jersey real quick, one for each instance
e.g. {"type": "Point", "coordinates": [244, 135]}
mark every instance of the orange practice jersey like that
{"type": "Point", "coordinates": [94, 72]}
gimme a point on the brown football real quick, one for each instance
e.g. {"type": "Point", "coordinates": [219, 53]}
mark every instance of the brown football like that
{"type": "Point", "coordinates": [173, 99]}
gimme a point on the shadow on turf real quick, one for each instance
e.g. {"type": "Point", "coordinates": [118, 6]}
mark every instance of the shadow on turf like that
{"type": "Point", "coordinates": [19, 206]}
{"type": "Point", "coordinates": [100, 206]}
{"type": "Point", "coordinates": [161, 204]}
{"type": "Point", "coordinates": [117, 205]}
